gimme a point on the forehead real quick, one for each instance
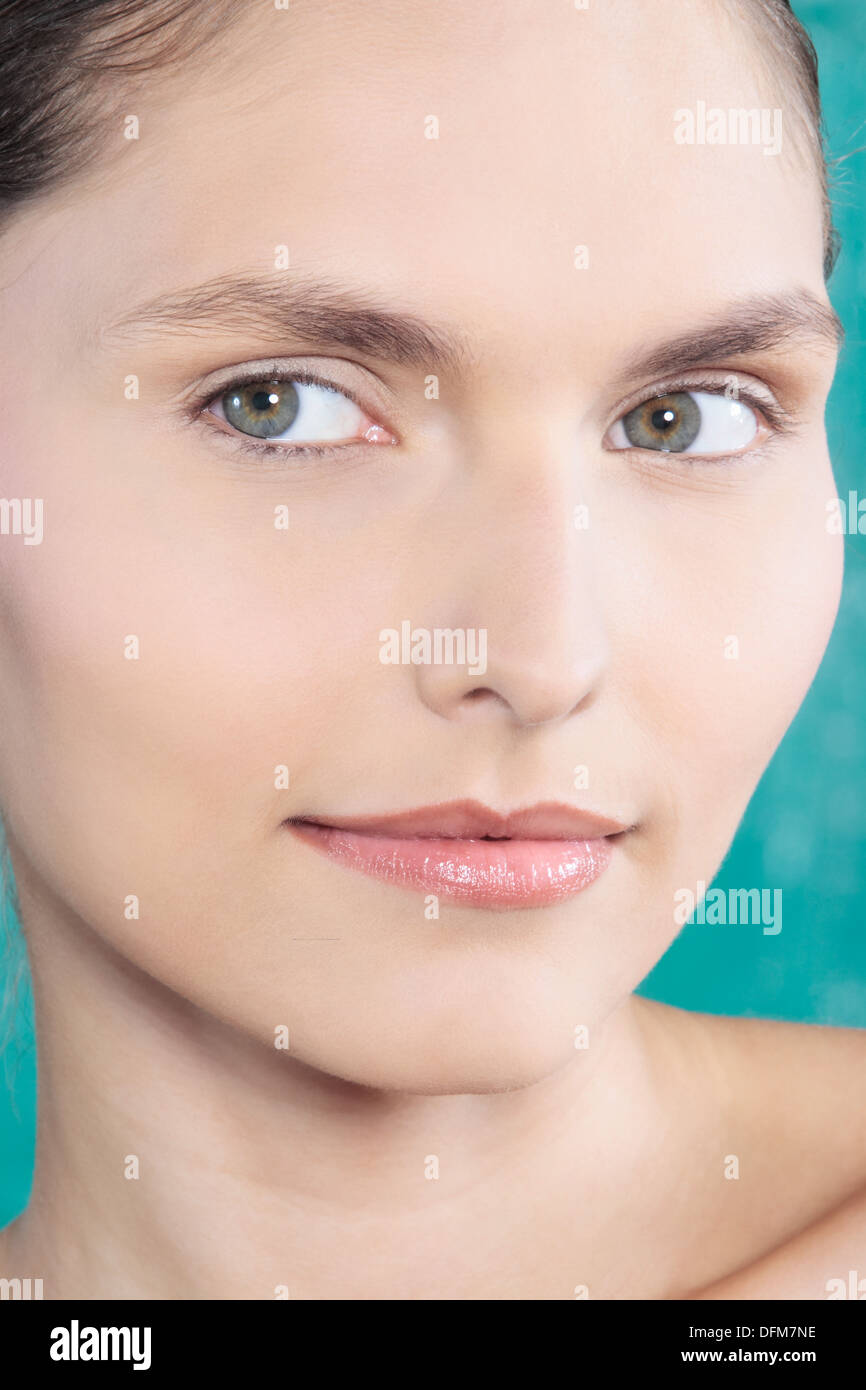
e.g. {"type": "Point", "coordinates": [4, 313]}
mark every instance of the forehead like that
{"type": "Point", "coordinates": [455, 156]}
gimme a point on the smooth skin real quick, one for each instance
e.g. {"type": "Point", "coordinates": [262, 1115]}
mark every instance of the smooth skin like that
{"type": "Point", "coordinates": [558, 1167]}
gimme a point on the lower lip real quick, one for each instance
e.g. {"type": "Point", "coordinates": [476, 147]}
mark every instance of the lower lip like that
{"type": "Point", "coordinates": [503, 874]}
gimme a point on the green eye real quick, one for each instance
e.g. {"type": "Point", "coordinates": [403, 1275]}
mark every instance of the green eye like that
{"type": "Point", "coordinates": [263, 408]}
{"type": "Point", "coordinates": [293, 413]}
{"type": "Point", "coordinates": [670, 423]}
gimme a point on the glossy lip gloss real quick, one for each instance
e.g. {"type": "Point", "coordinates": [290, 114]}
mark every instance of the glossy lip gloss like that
{"type": "Point", "coordinates": [470, 853]}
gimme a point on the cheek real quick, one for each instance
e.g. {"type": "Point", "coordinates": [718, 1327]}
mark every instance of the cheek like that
{"type": "Point", "coordinates": [740, 600]}
{"type": "Point", "coordinates": [159, 661]}
{"type": "Point", "coordinates": [777, 600]}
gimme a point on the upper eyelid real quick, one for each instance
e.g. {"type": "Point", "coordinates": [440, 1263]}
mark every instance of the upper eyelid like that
{"type": "Point", "coordinates": [264, 369]}
{"type": "Point", "coordinates": [751, 391]}
{"type": "Point", "coordinates": [365, 388]}
{"type": "Point", "coordinates": [240, 376]}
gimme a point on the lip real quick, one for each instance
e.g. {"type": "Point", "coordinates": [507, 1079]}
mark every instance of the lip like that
{"type": "Point", "coordinates": [470, 853]}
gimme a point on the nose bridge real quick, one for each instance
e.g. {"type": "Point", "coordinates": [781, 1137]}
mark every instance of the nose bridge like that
{"type": "Point", "coordinates": [521, 574]}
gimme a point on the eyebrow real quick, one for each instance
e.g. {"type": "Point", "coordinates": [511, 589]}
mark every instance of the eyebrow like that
{"type": "Point", "coordinates": [312, 311]}
{"type": "Point", "coordinates": [759, 323]}
{"type": "Point", "coordinates": [324, 312]}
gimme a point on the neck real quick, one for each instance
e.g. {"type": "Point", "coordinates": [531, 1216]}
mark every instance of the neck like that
{"type": "Point", "coordinates": [179, 1158]}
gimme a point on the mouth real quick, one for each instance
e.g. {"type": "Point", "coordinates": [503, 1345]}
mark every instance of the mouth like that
{"type": "Point", "coordinates": [471, 854]}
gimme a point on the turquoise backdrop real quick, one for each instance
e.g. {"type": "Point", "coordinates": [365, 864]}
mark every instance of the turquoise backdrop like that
{"type": "Point", "coordinates": [805, 829]}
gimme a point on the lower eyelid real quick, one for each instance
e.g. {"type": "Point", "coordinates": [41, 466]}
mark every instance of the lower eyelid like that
{"type": "Point", "coordinates": [276, 456]}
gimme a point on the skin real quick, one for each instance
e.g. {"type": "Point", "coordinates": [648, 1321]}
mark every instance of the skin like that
{"type": "Point", "coordinates": [558, 1168]}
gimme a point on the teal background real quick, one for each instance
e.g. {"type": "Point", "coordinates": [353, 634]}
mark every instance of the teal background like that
{"type": "Point", "coordinates": [806, 826]}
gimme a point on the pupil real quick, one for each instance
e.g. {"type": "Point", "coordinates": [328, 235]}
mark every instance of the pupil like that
{"type": "Point", "coordinates": [263, 400]}
{"type": "Point", "coordinates": [663, 419]}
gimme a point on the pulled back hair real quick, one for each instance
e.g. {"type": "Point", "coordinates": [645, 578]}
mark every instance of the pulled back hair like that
{"type": "Point", "coordinates": [62, 66]}
{"type": "Point", "coordinates": [62, 63]}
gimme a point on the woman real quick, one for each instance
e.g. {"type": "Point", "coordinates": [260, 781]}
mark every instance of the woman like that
{"type": "Point", "coordinates": [424, 410]}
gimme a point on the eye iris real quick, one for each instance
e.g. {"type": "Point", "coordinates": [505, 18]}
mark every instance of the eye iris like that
{"type": "Point", "coordinates": [668, 423]}
{"type": "Point", "coordinates": [264, 408]}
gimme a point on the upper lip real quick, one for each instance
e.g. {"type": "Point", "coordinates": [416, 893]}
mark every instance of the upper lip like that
{"type": "Point", "coordinates": [472, 820]}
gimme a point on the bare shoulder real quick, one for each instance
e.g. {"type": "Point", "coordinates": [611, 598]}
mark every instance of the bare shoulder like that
{"type": "Point", "coordinates": [797, 1086]}
{"type": "Point", "coordinates": [5, 1253]}
{"type": "Point", "coordinates": [790, 1099]}
{"type": "Point", "coordinates": [782, 1082]}
{"type": "Point", "coordinates": [11, 1259]}
{"type": "Point", "coordinates": [826, 1260]}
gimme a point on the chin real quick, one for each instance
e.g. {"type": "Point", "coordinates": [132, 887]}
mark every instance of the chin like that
{"type": "Point", "coordinates": [469, 1059]}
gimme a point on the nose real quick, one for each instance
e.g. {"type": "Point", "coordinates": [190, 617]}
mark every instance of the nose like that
{"type": "Point", "coordinates": [520, 575]}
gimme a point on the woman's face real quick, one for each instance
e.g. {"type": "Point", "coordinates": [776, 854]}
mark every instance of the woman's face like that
{"type": "Point", "coordinates": [652, 617]}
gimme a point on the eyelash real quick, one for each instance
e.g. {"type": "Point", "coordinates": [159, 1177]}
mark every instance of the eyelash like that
{"type": "Point", "coordinates": [778, 419]}
{"type": "Point", "coordinates": [276, 453]}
